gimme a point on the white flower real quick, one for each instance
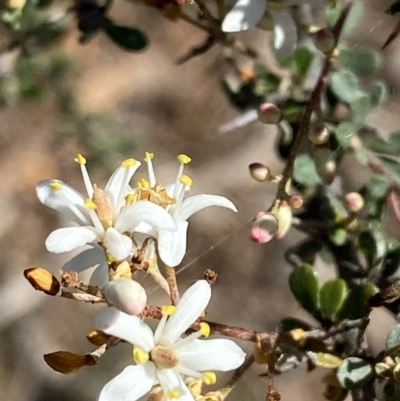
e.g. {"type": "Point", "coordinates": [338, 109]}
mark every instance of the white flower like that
{"type": "Point", "coordinates": [172, 244]}
{"type": "Point", "coordinates": [247, 13]}
{"type": "Point", "coordinates": [163, 357]}
{"type": "Point", "coordinates": [103, 216]}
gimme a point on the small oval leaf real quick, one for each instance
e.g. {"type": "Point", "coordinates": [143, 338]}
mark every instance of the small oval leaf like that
{"type": "Point", "coordinates": [393, 339]}
{"type": "Point", "coordinates": [332, 296]}
{"type": "Point", "coordinates": [372, 243]}
{"type": "Point", "coordinates": [391, 262]}
{"type": "Point", "coordinates": [130, 39]}
{"type": "Point", "coordinates": [354, 372]}
{"type": "Point", "coordinates": [303, 282]}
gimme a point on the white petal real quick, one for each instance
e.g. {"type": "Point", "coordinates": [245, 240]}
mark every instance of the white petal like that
{"type": "Point", "coordinates": [114, 184]}
{"type": "Point", "coordinates": [127, 327]}
{"type": "Point", "coordinates": [198, 202]}
{"type": "Point", "coordinates": [119, 245]}
{"type": "Point", "coordinates": [189, 308]}
{"type": "Point", "coordinates": [218, 354]}
{"type": "Point", "coordinates": [144, 212]}
{"type": "Point", "coordinates": [131, 384]}
{"type": "Point", "coordinates": [170, 379]}
{"type": "Point", "coordinates": [244, 15]}
{"type": "Point", "coordinates": [100, 276]}
{"type": "Point", "coordinates": [61, 199]}
{"type": "Point", "coordinates": [172, 245]}
{"type": "Point", "coordinates": [69, 238]}
{"type": "Point", "coordinates": [285, 33]}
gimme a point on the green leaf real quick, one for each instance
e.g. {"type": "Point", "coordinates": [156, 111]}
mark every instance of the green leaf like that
{"type": "Point", "coordinates": [356, 303]}
{"type": "Point", "coordinates": [130, 39]}
{"type": "Point", "coordinates": [344, 132]}
{"type": "Point", "coordinates": [361, 61]}
{"type": "Point", "coordinates": [393, 339]}
{"type": "Point", "coordinates": [380, 145]}
{"type": "Point", "coordinates": [372, 243]}
{"type": "Point", "coordinates": [377, 187]}
{"type": "Point", "coordinates": [332, 296]}
{"type": "Point", "coordinates": [300, 61]}
{"type": "Point", "coordinates": [344, 85]}
{"type": "Point", "coordinates": [377, 92]}
{"type": "Point", "coordinates": [391, 391]}
{"type": "Point", "coordinates": [390, 164]}
{"type": "Point", "coordinates": [354, 372]}
{"type": "Point", "coordinates": [338, 236]}
{"type": "Point", "coordinates": [304, 170]}
{"type": "Point", "coordinates": [394, 8]}
{"type": "Point", "coordinates": [391, 262]}
{"type": "Point", "coordinates": [303, 282]}
{"type": "Point", "coordinates": [303, 252]}
{"type": "Point", "coordinates": [291, 323]}
{"type": "Point", "coordinates": [360, 107]}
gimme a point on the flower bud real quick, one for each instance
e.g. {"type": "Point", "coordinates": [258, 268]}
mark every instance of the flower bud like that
{"type": "Point", "coordinates": [42, 280]}
{"type": "Point", "coordinates": [353, 202]}
{"type": "Point", "coordinates": [126, 295]}
{"type": "Point", "coordinates": [325, 164]}
{"type": "Point", "coordinates": [324, 40]}
{"type": "Point", "coordinates": [284, 217]}
{"type": "Point", "coordinates": [319, 134]}
{"type": "Point", "coordinates": [296, 201]}
{"type": "Point", "coordinates": [268, 113]}
{"type": "Point", "coordinates": [259, 172]}
{"type": "Point", "coordinates": [264, 228]}
{"type": "Point", "coordinates": [15, 4]}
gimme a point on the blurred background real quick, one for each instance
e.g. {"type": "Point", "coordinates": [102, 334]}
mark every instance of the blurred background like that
{"type": "Point", "coordinates": [108, 104]}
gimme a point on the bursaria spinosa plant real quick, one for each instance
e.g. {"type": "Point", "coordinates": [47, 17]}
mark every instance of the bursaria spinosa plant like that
{"type": "Point", "coordinates": [318, 96]}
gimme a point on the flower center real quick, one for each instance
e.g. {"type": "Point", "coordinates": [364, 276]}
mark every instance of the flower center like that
{"type": "Point", "coordinates": [156, 194]}
{"type": "Point", "coordinates": [163, 357]}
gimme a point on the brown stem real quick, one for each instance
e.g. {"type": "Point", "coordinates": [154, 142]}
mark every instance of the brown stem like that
{"type": "Point", "coordinates": [173, 286]}
{"type": "Point", "coordinates": [81, 297]}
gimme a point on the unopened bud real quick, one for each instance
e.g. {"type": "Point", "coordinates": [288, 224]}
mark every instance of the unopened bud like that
{"type": "Point", "coordinates": [264, 228]}
{"type": "Point", "coordinates": [268, 113]}
{"type": "Point", "coordinates": [284, 216]}
{"type": "Point", "coordinates": [296, 201]}
{"type": "Point", "coordinates": [42, 280]}
{"type": "Point", "coordinates": [353, 202]}
{"type": "Point", "coordinates": [259, 172]}
{"type": "Point", "coordinates": [126, 295]}
{"type": "Point", "coordinates": [325, 164]}
{"type": "Point", "coordinates": [97, 337]}
{"type": "Point", "coordinates": [15, 4]}
{"type": "Point", "coordinates": [324, 40]}
{"type": "Point", "coordinates": [319, 134]}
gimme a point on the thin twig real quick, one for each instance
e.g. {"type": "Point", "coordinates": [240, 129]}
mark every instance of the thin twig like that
{"type": "Point", "coordinates": [81, 297]}
{"type": "Point", "coordinates": [173, 286]}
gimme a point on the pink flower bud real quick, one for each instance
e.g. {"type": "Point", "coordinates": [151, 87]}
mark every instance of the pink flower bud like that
{"type": "Point", "coordinates": [296, 201]}
{"type": "Point", "coordinates": [264, 228]}
{"type": "Point", "coordinates": [325, 164]}
{"type": "Point", "coordinates": [324, 40]}
{"type": "Point", "coordinates": [127, 295]}
{"type": "Point", "coordinates": [268, 113]}
{"type": "Point", "coordinates": [353, 202]}
{"type": "Point", "coordinates": [259, 172]}
{"type": "Point", "coordinates": [284, 216]}
{"type": "Point", "coordinates": [319, 134]}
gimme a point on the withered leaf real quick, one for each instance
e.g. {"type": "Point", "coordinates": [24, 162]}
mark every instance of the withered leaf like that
{"type": "Point", "coordinates": [386, 295]}
{"type": "Point", "coordinates": [68, 362]}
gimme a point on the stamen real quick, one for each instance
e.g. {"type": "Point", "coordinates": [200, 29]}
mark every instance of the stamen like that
{"type": "Point", "coordinates": [85, 175]}
{"type": "Point", "coordinates": [127, 164]}
{"type": "Point", "coordinates": [56, 185]}
{"type": "Point", "coordinates": [131, 198]}
{"type": "Point", "coordinates": [183, 159]}
{"type": "Point", "coordinates": [143, 183]}
{"type": "Point", "coordinates": [150, 169]}
{"type": "Point", "coordinates": [168, 310]}
{"type": "Point", "coordinates": [89, 204]}
{"type": "Point", "coordinates": [205, 329]}
{"type": "Point", "coordinates": [209, 378]}
{"type": "Point", "coordinates": [140, 356]}
{"type": "Point", "coordinates": [186, 180]}
{"type": "Point", "coordinates": [173, 394]}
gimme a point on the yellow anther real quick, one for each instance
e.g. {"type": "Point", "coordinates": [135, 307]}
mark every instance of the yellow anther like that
{"type": "Point", "coordinates": [168, 310]}
{"type": "Point", "coordinates": [149, 156]}
{"type": "Point", "coordinates": [128, 163]}
{"type": "Point", "coordinates": [89, 204]}
{"type": "Point", "coordinates": [139, 355]}
{"type": "Point", "coordinates": [56, 185]}
{"type": "Point", "coordinates": [143, 183]}
{"type": "Point", "coordinates": [205, 329]}
{"type": "Point", "coordinates": [209, 378]}
{"type": "Point", "coordinates": [80, 159]}
{"type": "Point", "coordinates": [186, 180]}
{"type": "Point", "coordinates": [131, 198]}
{"type": "Point", "coordinates": [184, 159]}
{"type": "Point", "coordinates": [173, 393]}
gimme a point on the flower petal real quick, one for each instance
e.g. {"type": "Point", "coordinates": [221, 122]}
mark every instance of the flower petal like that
{"type": "Point", "coordinates": [127, 327]}
{"type": "Point", "coordinates": [285, 33]}
{"type": "Point", "coordinates": [198, 202]}
{"type": "Point", "coordinates": [144, 212]}
{"type": "Point", "coordinates": [62, 199]}
{"type": "Point", "coordinates": [172, 245]}
{"type": "Point", "coordinates": [119, 245]}
{"type": "Point", "coordinates": [218, 354]}
{"type": "Point", "coordinates": [243, 15]}
{"type": "Point", "coordinates": [131, 384]}
{"type": "Point", "coordinates": [69, 238]}
{"type": "Point", "coordinates": [189, 308]}
{"type": "Point", "coordinates": [170, 379]}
